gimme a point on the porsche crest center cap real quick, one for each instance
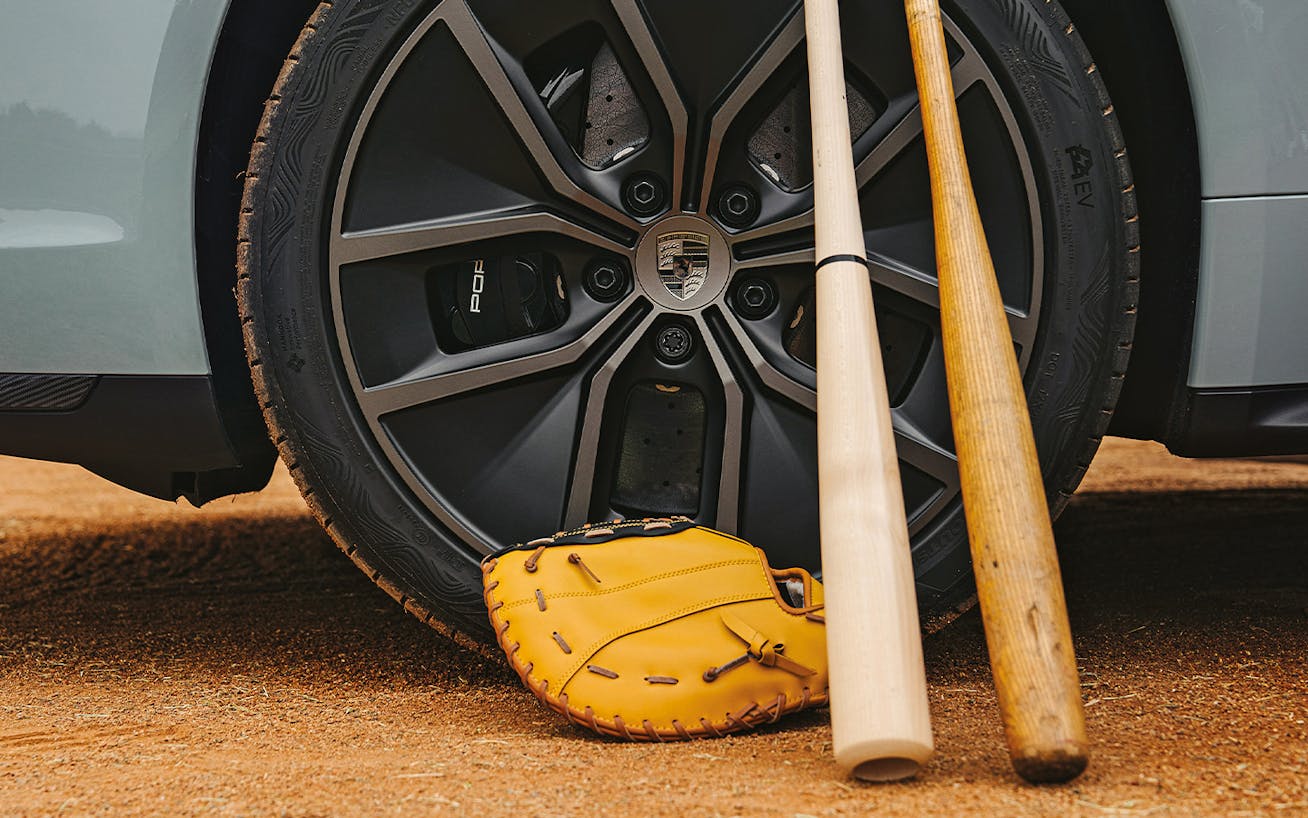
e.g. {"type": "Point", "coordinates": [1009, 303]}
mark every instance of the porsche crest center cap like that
{"type": "Point", "coordinates": [683, 263]}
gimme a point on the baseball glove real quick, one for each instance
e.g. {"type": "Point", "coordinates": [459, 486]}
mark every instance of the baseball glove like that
{"type": "Point", "coordinates": [658, 629]}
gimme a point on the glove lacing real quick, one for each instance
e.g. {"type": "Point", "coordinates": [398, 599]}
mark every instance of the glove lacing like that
{"type": "Point", "coordinates": [761, 649]}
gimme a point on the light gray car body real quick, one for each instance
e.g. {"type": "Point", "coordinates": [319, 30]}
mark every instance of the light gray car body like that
{"type": "Point", "coordinates": [1246, 64]}
{"type": "Point", "coordinates": [100, 121]}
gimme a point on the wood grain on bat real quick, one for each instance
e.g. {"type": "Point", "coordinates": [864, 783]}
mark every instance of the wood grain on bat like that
{"type": "Point", "coordinates": [879, 716]}
{"type": "Point", "coordinates": [1013, 556]}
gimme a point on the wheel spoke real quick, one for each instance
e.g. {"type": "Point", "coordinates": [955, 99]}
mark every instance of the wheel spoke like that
{"type": "Point", "coordinates": [592, 419]}
{"type": "Point", "coordinates": [366, 245]}
{"type": "Point", "coordinates": [912, 445]}
{"type": "Point", "coordinates": [786, 41]}
{"type": "Point", "coordinates": [905, 131]}
{"type": "Point", "coordinates": [917, 449]}
{"type": "Point", "coordinates": [907, 128]}
{"type": "Point", "coordinates": [782, 258]}
{"type": "Point", "coordinates": [899, 277]}
{"type": "Point", "coordinates": [969, 70]}
{"type": "Point", "coordinates": [800, 221]}
{"type": "Point", "coordinates": [733, 434]}
{"type": "Point", "coordinates": [886, 272]}
{"type": "Point", "coordinates": [479, 50]}
{"type": "Point", "coordinates": [434, 382]}
{"type": "Point", "coordinates": [638, 31]}
{"type": "Point", "coordinates": [924, 288]}
{"type": "Point", "coordinates": [906, 113]}
{"type": "Point", "coordinates": [803, 394]}
{"type": "Point", "coordinates": [904, 279]}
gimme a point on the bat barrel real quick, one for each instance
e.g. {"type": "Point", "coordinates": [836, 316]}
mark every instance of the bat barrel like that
{"type": "Point", "coordinates": [1013, 556]}
{"type": "Point", "coordinates": [880, 721]}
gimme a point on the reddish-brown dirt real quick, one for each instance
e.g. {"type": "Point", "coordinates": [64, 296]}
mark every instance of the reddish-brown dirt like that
{"type": "Point", "coordinates": [157, 659]}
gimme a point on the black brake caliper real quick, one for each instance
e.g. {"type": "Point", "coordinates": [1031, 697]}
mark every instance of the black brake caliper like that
{"type": "Point", "coordinates": [484, 301]}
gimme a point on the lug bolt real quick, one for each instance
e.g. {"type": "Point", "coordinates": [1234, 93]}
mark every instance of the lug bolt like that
{"type": "Point", "coordinates": [644, 194]}
{"type": "Point", "coordinates": [674, 344]}
{"type": "Point", "coordinates": [755, 298]}
{"type": "Point", "coordinates": [738, 206]}
{"type": "Point", "coordinates": [606, 279]}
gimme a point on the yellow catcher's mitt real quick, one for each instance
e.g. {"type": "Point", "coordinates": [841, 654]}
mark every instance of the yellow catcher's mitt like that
{"type": "Point", "coordinates": [657, 630]}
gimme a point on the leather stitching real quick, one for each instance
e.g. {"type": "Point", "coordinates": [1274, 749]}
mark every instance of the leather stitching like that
{"type": "Point", "coordinates": [618, 728]}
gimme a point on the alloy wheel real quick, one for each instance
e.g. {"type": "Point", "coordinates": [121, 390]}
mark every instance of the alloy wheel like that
{"type": "Point", "coordinates": [643, 339]}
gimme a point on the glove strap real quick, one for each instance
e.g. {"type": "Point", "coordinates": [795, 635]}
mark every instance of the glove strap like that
{"type": "Point", "coordinates": [761, 648]}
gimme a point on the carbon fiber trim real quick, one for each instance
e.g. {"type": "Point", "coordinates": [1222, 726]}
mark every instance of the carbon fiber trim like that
{"type": "Point", "coordinates": [44, 393]}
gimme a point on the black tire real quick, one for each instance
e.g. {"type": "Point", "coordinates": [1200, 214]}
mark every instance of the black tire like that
{"type": "Point", "coordinates": [1074, 366]}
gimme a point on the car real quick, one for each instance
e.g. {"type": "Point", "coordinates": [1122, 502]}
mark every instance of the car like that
{"type": "Point", "coordinates": [481, 270]}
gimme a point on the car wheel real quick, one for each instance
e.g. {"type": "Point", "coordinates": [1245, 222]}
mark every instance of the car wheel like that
{"type": "Point", "coordinates": [508, 267]}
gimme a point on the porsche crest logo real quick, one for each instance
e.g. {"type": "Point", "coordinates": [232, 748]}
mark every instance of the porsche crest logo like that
{"type": "Point", "coordinates": [683, 262]}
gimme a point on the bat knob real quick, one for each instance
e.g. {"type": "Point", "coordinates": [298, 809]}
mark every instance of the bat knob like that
{"type": "Point", "coordinates": [1052, 766]}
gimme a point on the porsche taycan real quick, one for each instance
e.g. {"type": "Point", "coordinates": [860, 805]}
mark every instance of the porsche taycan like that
{"type": "Point", "coordinates": [483, 269]}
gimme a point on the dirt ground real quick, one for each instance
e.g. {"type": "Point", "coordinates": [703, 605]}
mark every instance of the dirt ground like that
{"type": "Point", "coordinates": [158, 659]}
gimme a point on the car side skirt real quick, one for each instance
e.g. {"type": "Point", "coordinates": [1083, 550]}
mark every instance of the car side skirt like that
{"type": "Point", "coordinates": [159, 435]}
{"type": "Point", "coordinates": [1245, 422]}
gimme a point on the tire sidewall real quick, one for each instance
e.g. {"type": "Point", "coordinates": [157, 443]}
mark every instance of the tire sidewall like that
{"type": "Point", "coordinates": [1078, 362]}
{"type": "Point", "coordinates": [366, 508]}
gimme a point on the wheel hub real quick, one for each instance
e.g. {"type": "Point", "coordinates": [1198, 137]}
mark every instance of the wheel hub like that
{"type": "Point", "coordinates": [683, 263]}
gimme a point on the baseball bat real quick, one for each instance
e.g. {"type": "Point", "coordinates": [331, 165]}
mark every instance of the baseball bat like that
{"type": "Point", "coordinates": [880, 722]}
{"type": "Point", "coordinates": [1012, 541]}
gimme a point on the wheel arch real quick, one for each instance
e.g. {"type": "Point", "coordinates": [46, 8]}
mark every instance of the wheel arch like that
{"type": "Point", "coordinates": [252, 45]}
{"type": "Point", "coordinates": [1135, 48]}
